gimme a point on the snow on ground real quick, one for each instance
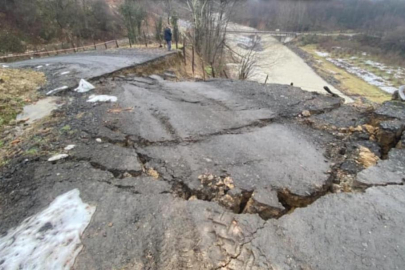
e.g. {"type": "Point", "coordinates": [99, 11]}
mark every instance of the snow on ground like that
{"type": "Point", "coordinates": [101, 98]}
{"type": "Point", "coordinates": [365, 75]}
{"type": "Point", "coordinates": [368, 76]}
{"type": "Point", "coordinates": [322, 54]}
{"type": "Point", "coordinates": [57, 90]}
{"type": "Point", "coordinates": [49, 239]}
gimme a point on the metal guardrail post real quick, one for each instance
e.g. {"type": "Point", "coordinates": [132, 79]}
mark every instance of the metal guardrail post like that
{"type": "Point", "coordinates": [184, 50]}
{"type": "Point", "coordinates": [192, 59]}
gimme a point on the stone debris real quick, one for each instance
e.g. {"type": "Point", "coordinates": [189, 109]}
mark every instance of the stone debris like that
{"type": "Point", "coordinates": [214, 187]}
{"type": "Point", "coordinates": [120, 110]}
{"type": "Point", "coordinates": [58, 157]}
{"type": "Point", "coordinates": [156, 78]}
{"type": "Point", "coordinates": [367, 158]}
{"type": "Point", "coordinates": [265, 202]}
{"type": "Point", "coordinates": [152, 172]}
{"type": "Point", "coordinates": [70, 147]}
{"type": "Point", "coordinates": [306, 113]}
{"type": "Point", "coordinates": [57, 90]}
{"type": "Point", "coordinates": [102, 98]}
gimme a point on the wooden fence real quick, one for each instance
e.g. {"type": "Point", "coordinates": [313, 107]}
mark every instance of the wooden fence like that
{"type": "Point", "coordinates": [43, 53]}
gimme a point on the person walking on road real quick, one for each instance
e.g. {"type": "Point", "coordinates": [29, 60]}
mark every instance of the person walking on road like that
{"type": "Point", "coordinates": [168, 37]}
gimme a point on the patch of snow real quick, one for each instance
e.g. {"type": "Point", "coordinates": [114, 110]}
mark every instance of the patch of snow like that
{"type": "Point", "coordinates": [57, 90]}
{"type": "Point", "coordinates": [39, 67]}
{"type": "Point", "coordinates": [84, 86]}
{"type": "Point", "coordinates": [389, 89]}
{"type": "Point", "coordinates": [322, 54]}
{"type": "Point", "coordinates": [376, 65]}
{"type": "Point", "coordinates": [364, 54]}
{"type": "Point", "coordinates": [65, 73]}
{"type": "Point", "coordinates": [58, 157]}
{"type": "Point", "coordinates": [99, 140]}
{"type": "Point", "coordinates": [49, 239]}
{"type": "Point", "coordinates": [365, 75]}
{"type": "Point", "coordinates": [5, 66]}
{"type": "Point", "coordinates": [70, 147]}
{"type": "Point", "coordinates": [47, 65]}
{"type": "Point", "coordinates": [102, 98]}
{"type": "Point", "coordinates": [156, 78]}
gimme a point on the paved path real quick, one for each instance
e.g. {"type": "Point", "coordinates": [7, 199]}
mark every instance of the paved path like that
{"type": "Point", "coordinates": [69, 69]}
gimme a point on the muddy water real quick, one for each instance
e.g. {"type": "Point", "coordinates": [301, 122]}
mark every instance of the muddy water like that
{"type": "Point", "coordinates": [278, 62]}
{"type": "Point", "coordinates": [38, 110]}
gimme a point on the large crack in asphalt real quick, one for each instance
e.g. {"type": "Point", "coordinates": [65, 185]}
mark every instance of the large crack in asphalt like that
{"type": "Point", "coordinates": [241, 202]}
{"type": "Point", "coordinates": [218, 186]}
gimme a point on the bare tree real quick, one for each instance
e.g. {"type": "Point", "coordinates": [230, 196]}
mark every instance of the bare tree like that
{"type": "Point", "coordinates": [248, 60]}
{"type": "Point", "coordinates": [210, 21]}
{"type": "Point", "coordinates": [168, 6]}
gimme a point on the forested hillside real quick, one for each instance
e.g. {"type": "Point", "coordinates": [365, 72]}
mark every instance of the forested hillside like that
{"type": "Point", "coordinates": [74, 21]}
{"type": "Point", "coordinates": [44, 21]}
{"type": "Point", "coordinates": [384, 21]}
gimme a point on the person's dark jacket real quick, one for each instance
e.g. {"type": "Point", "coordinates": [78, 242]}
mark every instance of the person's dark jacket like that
{"type": "Point", "coordinates": [168, 34]}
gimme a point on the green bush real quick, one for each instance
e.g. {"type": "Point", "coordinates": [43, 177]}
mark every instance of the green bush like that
{"type": "Point", "coordinates": [10, 43]}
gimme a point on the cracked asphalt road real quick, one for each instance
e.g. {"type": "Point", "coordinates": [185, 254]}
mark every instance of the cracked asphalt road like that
{"type": "Point", "coordinates": [242, 180]}
{"type": "Point", "coordinates": [67, 70]}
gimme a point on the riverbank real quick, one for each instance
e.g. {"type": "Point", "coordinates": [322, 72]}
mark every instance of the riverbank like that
{"type": "Point", "coordinates": [341, 79]}
{"type": "Point", "coordinates": [276, 63]}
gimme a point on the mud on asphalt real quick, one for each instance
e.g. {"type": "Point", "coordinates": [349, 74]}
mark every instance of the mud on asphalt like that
{"type": "Point", "coordinates": [222, 175]}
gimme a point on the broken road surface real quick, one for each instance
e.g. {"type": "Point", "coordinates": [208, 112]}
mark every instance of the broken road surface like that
{"type": "Point", "coordinates": [220, 175]}
{"type": "Point", "coordinates": [67, 70]}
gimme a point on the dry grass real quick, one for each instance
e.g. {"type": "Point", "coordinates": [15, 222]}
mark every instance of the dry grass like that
{"type": "Point", "coordinates": [29, 141]}
{"type": "Point", "coordinates": [17, 87]}
{"type": "Point", "coordinates": [348, 83]}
